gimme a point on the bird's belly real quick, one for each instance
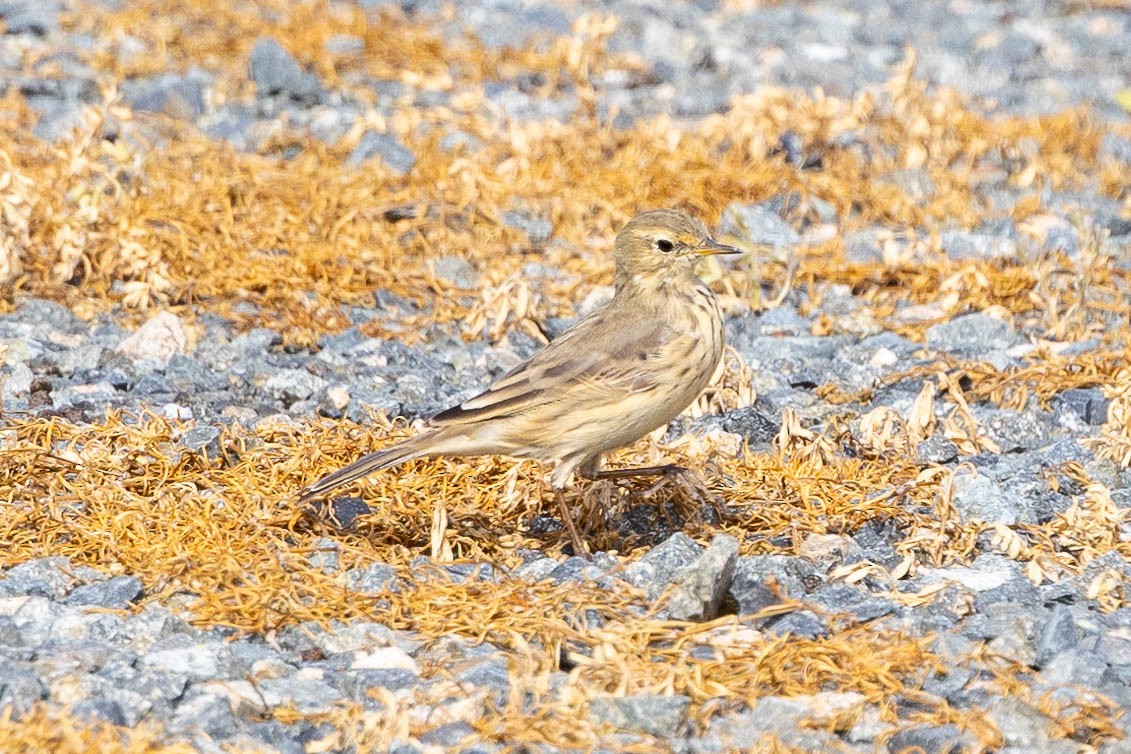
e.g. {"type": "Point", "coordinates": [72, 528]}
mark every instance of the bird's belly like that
{"type": "Point", "coordinates": [596, 429]}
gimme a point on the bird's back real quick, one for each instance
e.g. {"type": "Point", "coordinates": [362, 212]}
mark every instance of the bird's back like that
{"type": "Point", "coordinates": [630, 359]}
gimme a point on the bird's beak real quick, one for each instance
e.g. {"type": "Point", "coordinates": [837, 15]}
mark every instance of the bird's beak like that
{"type": "Point", "coordinates": [709, 247]}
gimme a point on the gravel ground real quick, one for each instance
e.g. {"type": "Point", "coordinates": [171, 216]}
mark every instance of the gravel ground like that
{"type": "Point", "coordinates": [1022, 57]}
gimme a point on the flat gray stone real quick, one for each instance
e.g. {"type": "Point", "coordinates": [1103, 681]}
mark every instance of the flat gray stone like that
{"type": "Point", "coordinates": [275, 71]}
{"type": "Point", "coordinates": [661, 716]}
{"type": "Point", "coordinates": [972, 335]}
{"type": "Point", "coordinates": [700, 589]}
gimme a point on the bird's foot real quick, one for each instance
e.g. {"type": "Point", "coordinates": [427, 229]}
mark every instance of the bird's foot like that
{"type": "Point", "coordinates": [684, 480]}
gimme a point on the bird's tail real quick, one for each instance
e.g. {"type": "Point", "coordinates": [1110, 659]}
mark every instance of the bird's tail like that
{"type": "Point", "coordinates": [415, 447]}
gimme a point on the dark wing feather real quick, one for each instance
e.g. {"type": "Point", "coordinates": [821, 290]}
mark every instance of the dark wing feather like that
{"type": "Point", "coordinates": [600, 348]}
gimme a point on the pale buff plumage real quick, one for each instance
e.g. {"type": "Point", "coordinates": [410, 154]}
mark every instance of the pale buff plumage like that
{"type": "Point", "coordinates": [625, 369]}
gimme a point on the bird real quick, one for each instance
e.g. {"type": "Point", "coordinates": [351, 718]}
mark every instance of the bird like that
{"type": "Point", "coordinates": [619, 372]}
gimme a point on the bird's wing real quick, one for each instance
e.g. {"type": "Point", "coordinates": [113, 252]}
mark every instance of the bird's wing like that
{"type": "Point", "coordinates": [603, 351]}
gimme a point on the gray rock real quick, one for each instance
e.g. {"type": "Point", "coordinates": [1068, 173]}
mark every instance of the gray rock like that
{"type": "Point", "coordinates": [1061, 238]}
{"type": "Point", "coordinates": [325, 556]}
{"type": "Point", "coordinates": [1115, 647]}
{"type": "Point", "coordinates": [773, 717]}
{"type": "Point", "coordinates": [575, 568]}
{"type": "Point", "coordinates": [751, 423]}
{"type": "Point", "coordinates": [92, 397]}
{"type": "Point", "coordinates": [932, 739]}
{"type": "Point", "coordinates": [345, 511]}
{"type": "Point", "coordinates": [951, 683]}
{"type": "Point", "coordinates": [404, 747]}
{"type": "Point", "coordinates": [45, 314]}
{"type": "Point", "coordinates": [117, 592]}
{"type": "Point", "coordinates": [449, 734]}
{"type": "Point", "coordinates": [394, 155]}
{"type": "Point", "coordinates": [1089, 404]}
{"type": "Point", "coordinates": [465, 573]}
{"type": "Point", "coordinates": [1010, 628]}
{"type": "Point", "coordinates": [307, 695]}
{"type": "Point", "coordinates": [154, 345]}
{"type": "Point", "coordinates": [455, 141]}
{"type": "Point", "coordinates": [482, 748]}
{"type": "Point", "coordinates": [275, 71]}
{"type": "Point", "coordinates": [1077, 666]}
{"type": "Point", "coordinates": [937, 449]}
{"type": "Point", "coordinates": [357, 683]}
{"type": "Point", "coordinates": [137, 695]}
{"type": "Point", "coordinates": [1059, 634]}
{"type": "Point", "coordinates": [511, 25]}
{"type": "Point", "coordinates": [986, 573]}
{"type": "Point", "coordinates": [72, 360]}
{"type": "Point", "coordinates": [177, 96]}
{"type": "Point", "coordinates": [16, 384]}
{"type": "Point", "coordinates": [972, 335]}
{"type": "Point", "coordinates": [357, 636]}
{"type": "Point", "coordinates": [537, 229]}
{"type": "Point", "coordinates": [536, 570]}
{"type": "Point", "coordinates": [827, 551]}
{"type": "Point", "coordinates": [803, 623]}
{"type": "Point", "coordinates": [875, 543]}
{"type": "Point", "coordinates": [915, 183]}
{"type": "Point", "coordinates": [1023, 726]}
{"type": "Point", "coordinates": [845, 599]}
{"type": "Point", "coordinates": [20, 686]}
{"type": "Point", "coordinates": [290, 385]}
{"type": "Point", "coordinates": [1013, 431]}
{"type": "Point", "coordinates": [47, 577]}
{"type": "Point", "coordinates": [490, 674]}
{"type": "Point", "coordinates": [234, 123]}
{"type": "Point", "coordinates": [456, 271]}
{"type": "Point", "coordinates": [373, 579]}
{"type": "Point", "coordinates": [961, 245]}
{"type": "Point", "coordinates": [762, 581]}
{"type": "Point", "coordinates": [204, 661]}
{"type": "Point", "coordinates": [204, 714]}
{"type": "Point", "coordinates": [35, 17]}
{"type": "Point", "coordinates": [189, 375]}
{"type": "Point", "coordinates": [153, 624]}
{"type": "Point", "coordinates": [1015, 588]}
{"type": "Point", "coordinates": [662, 564]}
{"type": "Point", "coordinates": [700, 589]}
{"type": "Point", "coordinates": [100, 711]}
{"type": "Point", "coordinates": [977, 497]}
{"type": "Point", "coordinates": [9, 632]}
{"type": "Point", "coordinates": [203, 437]}
{"type": "Point", "coordinates": [758, 225]}
{"type": "Point", "coordinates": [1115, 147]}
{"type": "Point", "coordinates": [344, 44]}
{"type": "Point", "coordinates": [784, 320]}
{"type": "Point", "coordinates": [665, 717]}
{"type": "Point", "coordinates": [61, 112]}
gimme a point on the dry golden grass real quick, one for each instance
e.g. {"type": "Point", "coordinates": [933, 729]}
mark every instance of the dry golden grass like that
{"type": "Point", "coordinates": [47, 729]}
{"type": "Point", "coordinates": [163, 217]}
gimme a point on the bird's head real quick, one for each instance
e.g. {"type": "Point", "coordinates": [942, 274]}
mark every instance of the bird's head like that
{"type": "Point", "coordinates": [662, 247]}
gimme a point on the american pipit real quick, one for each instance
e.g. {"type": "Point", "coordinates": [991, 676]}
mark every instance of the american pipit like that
{"type": "Point", "coordinates": [618, 373]}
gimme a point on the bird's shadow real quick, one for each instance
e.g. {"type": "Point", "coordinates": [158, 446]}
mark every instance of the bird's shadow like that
{"type": "Point", "coordinates": [612, 514]}
{"type": "Point", "coordinates": [625, 514]}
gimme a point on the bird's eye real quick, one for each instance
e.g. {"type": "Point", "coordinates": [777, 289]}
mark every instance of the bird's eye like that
{"type": "Point", "coordinates": [664, 245]}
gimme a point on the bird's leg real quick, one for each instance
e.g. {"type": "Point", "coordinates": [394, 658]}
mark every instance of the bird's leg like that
{"type": "Point", "coordinates": [567, 518]}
